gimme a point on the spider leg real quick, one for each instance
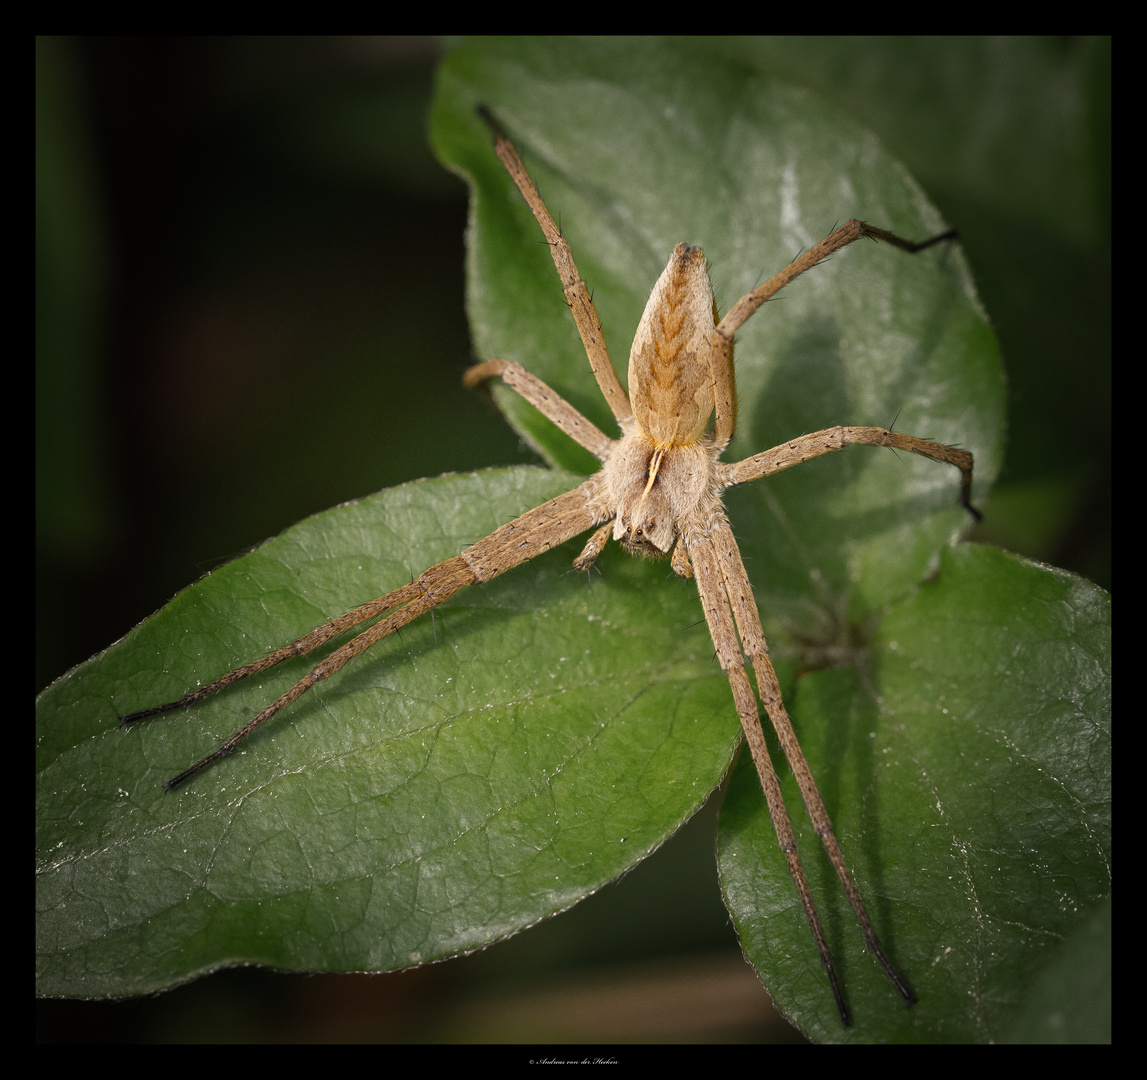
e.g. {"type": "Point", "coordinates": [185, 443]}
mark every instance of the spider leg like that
{"type": "Point", "coordinates": [825, 442]}
{"type": "Point", "coordinates": [731, 611]}
{"type": "Point", "coordinates": [527, 536]}
{"type": "Point", "coordinates": [715, 601]}
{"type": "Point", "coordinates": [300, 647]}
{"type": "Point", "coordinates": [721, 349]}
{"type": "Point", "coordinates": [576, 291]}
{"type": "Point", "coordinates": [548, 402]}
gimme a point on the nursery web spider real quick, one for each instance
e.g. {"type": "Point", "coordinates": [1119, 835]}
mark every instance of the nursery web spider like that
{"type": "Point", "coordinates": [658, 493]}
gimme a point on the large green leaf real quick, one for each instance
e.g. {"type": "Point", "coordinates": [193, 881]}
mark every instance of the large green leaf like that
{"type": "Point", "coordinates": [753, 171]}
{"type": "Point", "coordinates": [488, 770]}
{"type": "Point", "coordinates": [471, 777]}
{"type": "Point", "coordinates": [968, 764]}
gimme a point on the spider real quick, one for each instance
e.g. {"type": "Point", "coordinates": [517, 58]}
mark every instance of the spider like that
{"type": "Point", "coordinates": [658, 493]}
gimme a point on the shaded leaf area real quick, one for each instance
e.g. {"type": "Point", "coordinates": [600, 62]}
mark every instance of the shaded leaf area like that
{"type": "Point", "coordinates": [455, 785]}
{"type": "Point", "coordinates": [967, 766]}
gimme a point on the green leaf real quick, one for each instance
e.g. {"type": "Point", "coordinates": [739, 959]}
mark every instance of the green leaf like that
{"type": "Point", "coordinates": [967, 765]}
{"type": "Point", "coordinates": [633, 159]}
{"type": "Point", "coordinates": [459, 783]}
